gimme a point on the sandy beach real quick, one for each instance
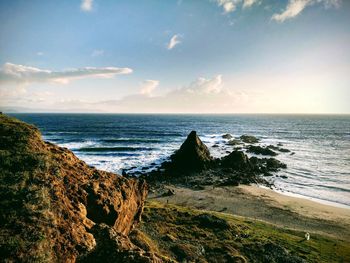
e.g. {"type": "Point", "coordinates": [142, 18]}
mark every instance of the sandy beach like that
{"type": "Point", "coordinates": [264, 204]}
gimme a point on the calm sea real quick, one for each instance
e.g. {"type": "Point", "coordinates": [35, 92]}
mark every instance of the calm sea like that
{"type": "Point", "coordinates": [320, 167]}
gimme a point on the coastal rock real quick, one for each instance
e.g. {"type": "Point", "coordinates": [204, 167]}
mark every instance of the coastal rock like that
{"type": "Point", "coordinates": [276, 148]}
{"type": "Point", "coordinates": [260, 150]}
{"type": "Point", "coordinates": [115, 247]}
{"type": "Point", "coordinates": [227, 136]}
{"type": "Point", "coordinates": [237, 160]}
{"type": "Point", "coordinates": [234, 142]}
{"type": "Point", "coordinates": [52, 202]}
{"type": "Point", "coordinates": [249, 139]}
{"type": "Point", "coordinates": [193, 155]}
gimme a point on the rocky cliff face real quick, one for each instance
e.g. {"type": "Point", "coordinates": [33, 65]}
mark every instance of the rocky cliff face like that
{"type": "Point", "coordinates": [53, 205]}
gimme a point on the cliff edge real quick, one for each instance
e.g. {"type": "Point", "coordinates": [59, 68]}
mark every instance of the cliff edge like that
{"type": "Point", "coordinates": [54, 207]}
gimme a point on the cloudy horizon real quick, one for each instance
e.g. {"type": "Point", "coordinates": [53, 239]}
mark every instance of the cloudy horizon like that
{"type": "Point", "coordinates": [214, 56]}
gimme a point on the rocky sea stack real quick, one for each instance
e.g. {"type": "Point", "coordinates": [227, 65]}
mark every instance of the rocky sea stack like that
{"type": "Point", "coordinates": [193, 155]}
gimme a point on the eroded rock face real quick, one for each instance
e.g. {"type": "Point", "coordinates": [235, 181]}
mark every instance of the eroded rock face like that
{"type": "Point", "coordinates": [67, 198]}
{"type": "Point", "coordinates": [193, 155]}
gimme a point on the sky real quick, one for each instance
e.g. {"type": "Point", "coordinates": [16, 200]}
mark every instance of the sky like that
{"type": "Point", "coordinates": [189, 56]}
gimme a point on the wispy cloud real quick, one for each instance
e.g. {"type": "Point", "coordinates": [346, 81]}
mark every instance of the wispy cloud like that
{"type": "Point", "coordinates": [86, 5]}
{"type": "Point", "coordinates": [231, 5]}
{"type": "Point", "coordinates": [249, 3]}
{"type": "Point", "coordinates": [175, 40]}
{"type": "Point", "coordinates": [148, 86]}
{"type": "Point", "coordinates": [25, 74]}
{"type": "Point", "coordinates": [295, 7]}
{"type": "Point", "coordinates": [97, 53]}
{"type": "Point", "coordinates": [39, 53]}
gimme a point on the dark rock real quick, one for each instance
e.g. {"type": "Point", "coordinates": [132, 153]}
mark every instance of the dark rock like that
{"type": "Point", "coordinates": [260, 150]}
{"type": "Point", "coordinates": [227, 136]}
{"type": "Point", "coordinates": [215, 146]}
{"type": "Point", "coordinates": [278, 149]}
{"type": "Point", "coordinates": [236, 159]}
{"type": "Point", "coordinates": [273, 164]}
{"type": "Point", "coordinates": [234, 142]}
{"type": "Point", "coordinates": [283, 150]}
{"type": "Point", "coordinates": [249, 139]}
{"type": "Point", "coordinates": [193, 155]}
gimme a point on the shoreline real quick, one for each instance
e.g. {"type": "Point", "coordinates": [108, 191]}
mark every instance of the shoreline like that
{"type": "Point", "coordinates": [314, 199]}
{"type": "Point", "coordinates": [264, 204]}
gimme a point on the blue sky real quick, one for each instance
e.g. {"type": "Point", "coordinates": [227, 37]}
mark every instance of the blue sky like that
{"type": "Point", "coordinates": [213, 56]}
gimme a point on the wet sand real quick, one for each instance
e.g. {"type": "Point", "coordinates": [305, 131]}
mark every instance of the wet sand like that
{"type": "Point", "coordinates": [264, 204]}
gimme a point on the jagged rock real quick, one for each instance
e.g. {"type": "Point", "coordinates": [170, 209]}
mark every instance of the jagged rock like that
{"type": "Point", "coordinates": [193, 155]}
{"type": "Point", "coordinates": [260, 150]}
{"type": "Point", "coordinates": [249, 139]}
{"type": "Point", "coordinates": [227, 136]}
{"type": "Point", "coordinates": [115, 247]}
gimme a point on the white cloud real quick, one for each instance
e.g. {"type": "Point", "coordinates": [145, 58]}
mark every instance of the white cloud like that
{"type": "Point", "coordinates": [249, 3]}
{"type": "Point", "coordinates": [86, 5]}
{"type": "Point", "coordinates": [97, 53]}
{"type": "Point", "coordinates": [295, 7]}
{"type": "Point", "coordinates": [148, 86]}
{"type": "Point", "coordinates": [231, 5]}
{"type": "Point", "coordinates": [25, 74]}
{"type": "Point", "coordinates": [228, 5]}
{"type": "Point", "coordinates": [175, 40]}
{"type": "Point", "coordinates": [39, 53]}
{"type": "Point", "coordinates": [201, 96]}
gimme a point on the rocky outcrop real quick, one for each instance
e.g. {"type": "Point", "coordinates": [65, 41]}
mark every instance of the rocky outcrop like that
{"type": "Point", "coordinates": [193, 166]}
{"type": "Point", "coordinates": [237, 160]}
{"type": "Point", "coordinates": [193, 155]}
{"type": "Point", "coordinates": [249, 139]}
{"type": "Point", "coordinates": [53, 204]}
{"type": "Point", "coordinates": [261, 150]}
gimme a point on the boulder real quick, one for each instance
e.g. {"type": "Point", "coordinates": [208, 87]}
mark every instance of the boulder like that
{"type": "Point", "coordinates": [249, 139]}
{"type": "Point", "coordinates": [234, 142]}
{"type": "Point", "coordinates": [227, 136]}
{"type": "Point", "coordinates": [260, 150]}
{"type": "Point", "coordinates": [236, 159]}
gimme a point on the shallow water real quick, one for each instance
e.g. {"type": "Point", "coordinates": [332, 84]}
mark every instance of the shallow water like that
{"type": "Point", "coordinates": [320, 167]}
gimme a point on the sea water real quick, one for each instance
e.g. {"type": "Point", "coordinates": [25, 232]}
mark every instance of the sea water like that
{"type": "Point", "coordinates": [319, 166]}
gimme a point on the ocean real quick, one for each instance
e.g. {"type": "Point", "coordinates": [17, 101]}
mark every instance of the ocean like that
{"type": "Point", "coordinates": [319, 168]}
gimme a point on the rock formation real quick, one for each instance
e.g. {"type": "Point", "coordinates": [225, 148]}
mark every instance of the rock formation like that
{"type": "Point", "coordinates": [193, 155]}
{"type": "Point", "coordinates": [53, 205]}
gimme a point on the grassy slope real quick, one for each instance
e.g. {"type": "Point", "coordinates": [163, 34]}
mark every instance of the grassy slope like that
{"type": "Point", "coordinates": [24, 201]}
{"type": "Point", "coordinates": [182, 233]}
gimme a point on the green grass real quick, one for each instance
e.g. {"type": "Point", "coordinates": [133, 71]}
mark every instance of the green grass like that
{"type": "Point", "coordinates": [225, 237]}
{"type": "Point", "coordinates": [24, 202]}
